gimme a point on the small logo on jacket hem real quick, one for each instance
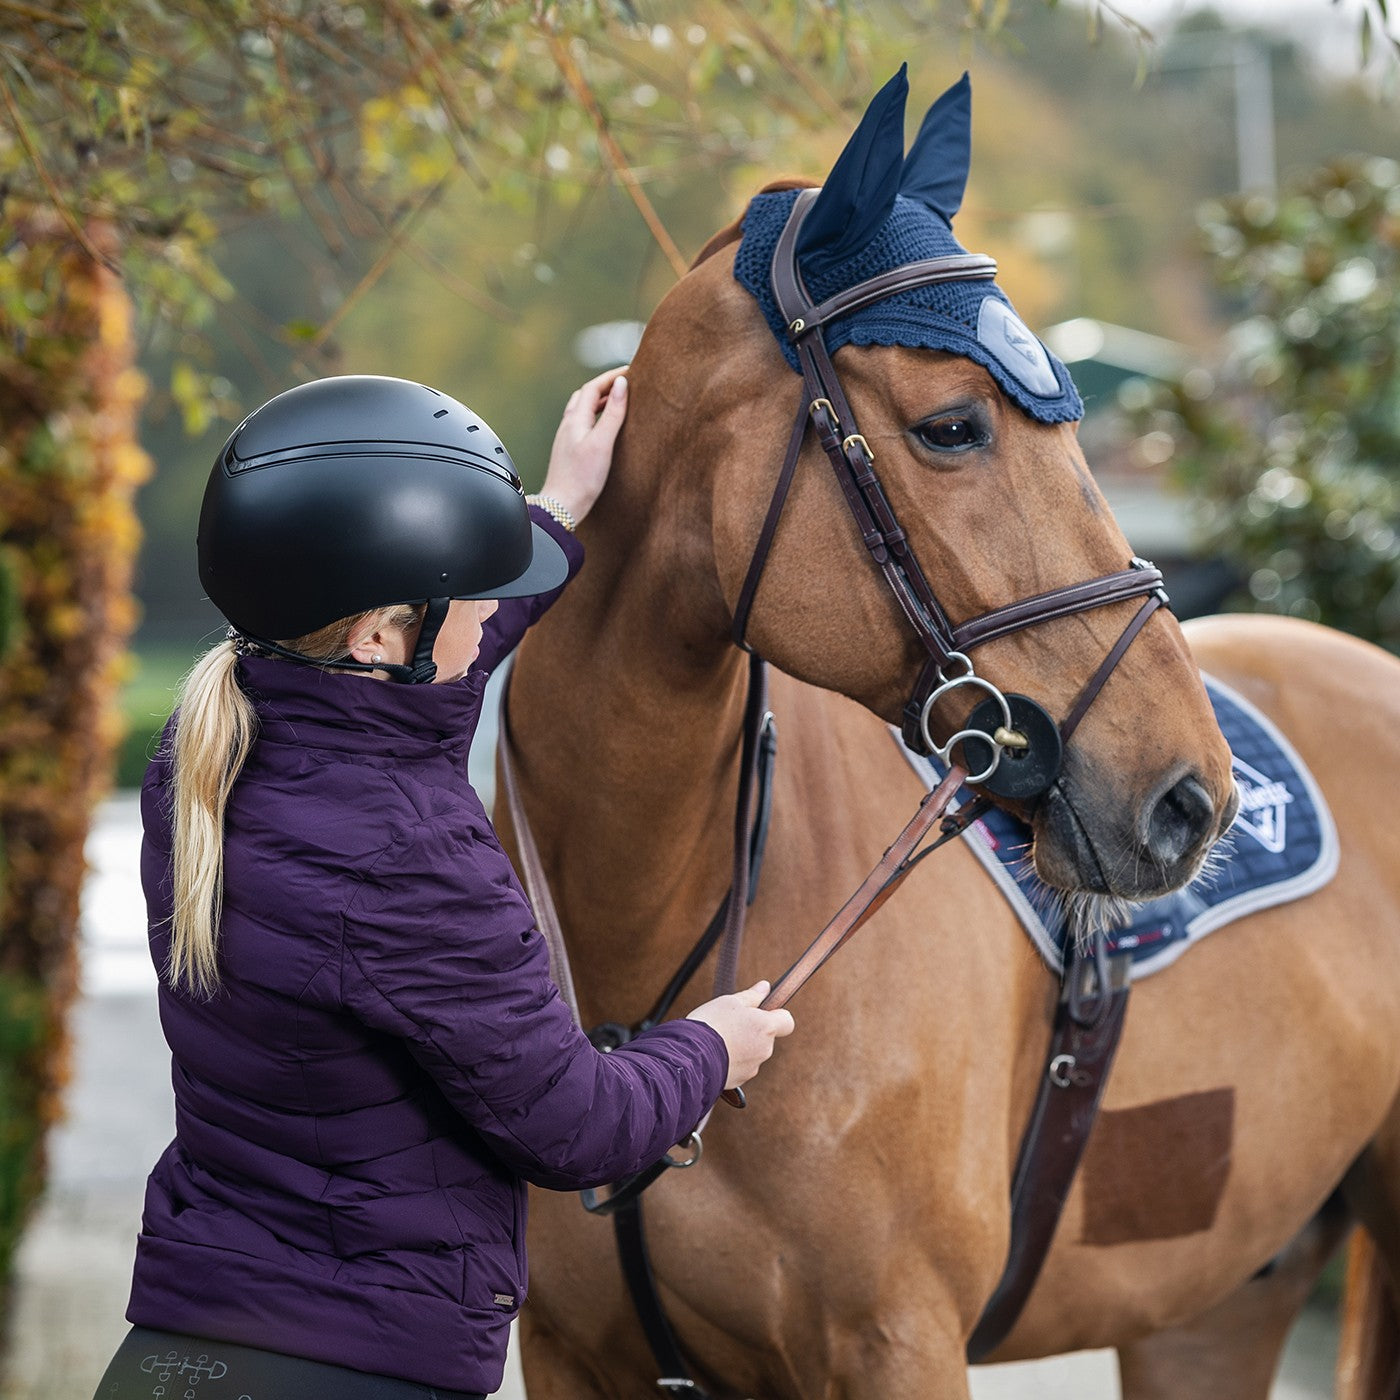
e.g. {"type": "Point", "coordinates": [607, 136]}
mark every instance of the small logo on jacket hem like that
{"type": "Point", "coordinates": [504, 1300]}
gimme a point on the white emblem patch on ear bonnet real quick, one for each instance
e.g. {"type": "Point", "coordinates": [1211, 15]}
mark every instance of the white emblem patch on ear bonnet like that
{"type": "Point", "coordinates": [1003, 332]}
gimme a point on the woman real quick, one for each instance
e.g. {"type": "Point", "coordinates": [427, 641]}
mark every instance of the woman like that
{"type": "Point", "coordinates": [369, 1058]}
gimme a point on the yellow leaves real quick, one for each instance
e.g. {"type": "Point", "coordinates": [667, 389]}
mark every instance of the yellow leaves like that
{"type": "Point", "coordinates": [65, 621]}
{"type": "Point", "coordinates": [113, 320]}
{"type": "Point", "coordinates": [70, 462]}
{"type": "Point", "coordinates": [127, 111]}
{"type": "Point", "coordinates": [403, 134]}
{"type": "Point", "coordinates": [129, 386]}
{"type": "Point", "coordinates": [131, 465]}
{"type": "Point", "coordinates": [189, 387]}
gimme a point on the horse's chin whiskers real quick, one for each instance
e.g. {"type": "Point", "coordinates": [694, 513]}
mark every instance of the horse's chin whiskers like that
{"type": "Point", "coordinates": [1214, 859]}
{"type": "Point", "coordinates": [1089, 912]}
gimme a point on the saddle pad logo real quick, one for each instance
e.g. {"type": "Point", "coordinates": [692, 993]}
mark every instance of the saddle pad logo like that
{"type": "Point", "coordinates": [1263, 807]}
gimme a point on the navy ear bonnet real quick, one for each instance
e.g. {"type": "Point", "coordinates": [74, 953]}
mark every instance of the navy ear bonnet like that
{"type": "Point", "coordinates": [878, 211]}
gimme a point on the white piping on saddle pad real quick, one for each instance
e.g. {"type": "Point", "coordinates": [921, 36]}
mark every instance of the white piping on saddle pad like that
{"type": "Point", "coordinates": [1208, 920]}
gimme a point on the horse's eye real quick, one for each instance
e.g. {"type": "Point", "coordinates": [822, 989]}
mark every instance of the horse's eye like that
{"type": "Point", "coordinates": [951, 434]}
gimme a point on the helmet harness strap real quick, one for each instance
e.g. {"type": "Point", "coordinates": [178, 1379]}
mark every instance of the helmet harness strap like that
{"type": "Point", "coordinates": [421, 670]}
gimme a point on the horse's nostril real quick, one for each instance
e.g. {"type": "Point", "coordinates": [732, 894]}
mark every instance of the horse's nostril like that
{"type": "Point", "coordinates": [1179, 822]}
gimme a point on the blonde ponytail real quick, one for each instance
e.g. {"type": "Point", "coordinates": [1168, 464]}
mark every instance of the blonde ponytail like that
{"type": "Point", "coordinates": [214, 731]}
{"type": "Point", "coordinates": [213, 734]}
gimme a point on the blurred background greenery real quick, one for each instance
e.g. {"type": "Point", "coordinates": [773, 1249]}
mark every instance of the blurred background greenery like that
{"type": "Point", "coordinates": [1091, 161]}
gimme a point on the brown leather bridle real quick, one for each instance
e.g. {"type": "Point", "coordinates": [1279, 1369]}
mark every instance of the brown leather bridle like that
{"type": "Point", "coordinates": [947, 665]}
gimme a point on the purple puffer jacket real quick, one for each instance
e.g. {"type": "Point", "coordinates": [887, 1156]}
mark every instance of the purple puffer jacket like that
{"type": "Point", "coordinates": [387, 1062]}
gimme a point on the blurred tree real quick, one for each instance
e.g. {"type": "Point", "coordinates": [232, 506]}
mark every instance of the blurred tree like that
{"type": "Point", "coordinates": [1294, 454]}
{"type": "Point", "coordinates": [69, 467]}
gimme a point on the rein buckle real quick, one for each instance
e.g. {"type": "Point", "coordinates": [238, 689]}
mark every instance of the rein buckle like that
{"type": "Point", "coordinates": [696, 1147]}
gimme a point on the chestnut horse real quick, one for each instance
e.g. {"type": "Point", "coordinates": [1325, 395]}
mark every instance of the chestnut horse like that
{"type": "Point", "coordinates": [843, 1235]}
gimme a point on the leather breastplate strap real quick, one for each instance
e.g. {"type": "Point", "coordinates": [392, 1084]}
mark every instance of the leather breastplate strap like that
{"type": "Point", "coordinates": [1083, 1043]}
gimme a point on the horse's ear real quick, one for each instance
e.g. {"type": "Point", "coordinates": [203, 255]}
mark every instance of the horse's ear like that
{"type": "Point", "coordinates": [732, 233]}
{"type": "Point", "coordinates": [935, 171]}
{"type": "Point", "coordinates": [858, 195]}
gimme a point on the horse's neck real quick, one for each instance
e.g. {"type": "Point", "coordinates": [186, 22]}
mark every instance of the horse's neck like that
{"type": "Point", "coordinates": [627, 711]}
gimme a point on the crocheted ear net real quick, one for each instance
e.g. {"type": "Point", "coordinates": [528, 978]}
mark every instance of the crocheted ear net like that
{"type": "Point", "coordinates": [944, 316]}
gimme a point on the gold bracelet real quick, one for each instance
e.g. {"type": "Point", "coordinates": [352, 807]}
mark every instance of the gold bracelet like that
{"type": "Point", "coordinates": [556, 508]}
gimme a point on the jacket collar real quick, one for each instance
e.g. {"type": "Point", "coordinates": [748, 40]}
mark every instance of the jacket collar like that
{"type": "Point", "coordinates": [306, 705]}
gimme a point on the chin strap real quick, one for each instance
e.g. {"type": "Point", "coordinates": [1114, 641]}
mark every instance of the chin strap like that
{"type": "Point", "coordinates": [421, 670]}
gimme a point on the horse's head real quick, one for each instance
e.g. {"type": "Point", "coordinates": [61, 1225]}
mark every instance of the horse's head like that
{"type": "Point", "coordinates": [970, 424]}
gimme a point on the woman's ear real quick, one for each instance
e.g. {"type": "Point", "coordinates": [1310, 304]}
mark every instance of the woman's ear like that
{"type": "Point", "coordinates": [376, 642]}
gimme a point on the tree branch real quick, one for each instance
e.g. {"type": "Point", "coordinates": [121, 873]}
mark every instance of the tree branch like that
{"type": "Point", "coordinates": [784, 60]}
{"type": "Point", "coordinates": [17, 7]}
{"type": "Point", "coordinates": [55, 194]}
{"type": "Point", "coordinates": [381, 264]}
{"type": "Point", "coordinates": [612, 152]}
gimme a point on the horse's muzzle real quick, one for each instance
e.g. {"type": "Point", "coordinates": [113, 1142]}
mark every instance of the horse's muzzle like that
{"type": "Point", "coordinates": [1131, 855]}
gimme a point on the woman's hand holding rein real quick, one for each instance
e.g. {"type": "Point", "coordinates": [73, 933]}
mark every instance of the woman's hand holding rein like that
{"type": "Point", "coordinates": [581, 457]}
{"type": "Point", "coordinates": [748, 1033]}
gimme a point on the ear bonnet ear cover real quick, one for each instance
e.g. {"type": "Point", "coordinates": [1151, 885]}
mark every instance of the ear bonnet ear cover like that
{"type": "Point", "coordinates": [879, 211]}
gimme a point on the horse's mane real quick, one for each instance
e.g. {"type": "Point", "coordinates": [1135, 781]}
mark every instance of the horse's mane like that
{"type": "Point", "coordinates": [732, 233]}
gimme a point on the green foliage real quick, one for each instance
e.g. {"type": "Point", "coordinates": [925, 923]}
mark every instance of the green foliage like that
{"type": "Point", "coordinates": [174, 119]}
{"type": "Point", "coordinates": [24, 1031]}
{"type": "Point", "coordinates": [147, 699]}
{"type": "Point", "coordinates": [11, 618]}
{"type": "Point", "coordinates": [1295, 455]}
{"type": "Point", "coordinates": [69, 467]}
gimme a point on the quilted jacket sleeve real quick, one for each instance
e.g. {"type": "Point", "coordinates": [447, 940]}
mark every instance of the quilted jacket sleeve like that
{"type": "Point", "coordinates": [440, 950]}
{"type": "Point", "coordinates": [509, 622]}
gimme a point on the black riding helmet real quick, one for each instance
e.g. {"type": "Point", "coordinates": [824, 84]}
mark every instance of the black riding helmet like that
{"type": "Point", "coordinates": [361, 492]}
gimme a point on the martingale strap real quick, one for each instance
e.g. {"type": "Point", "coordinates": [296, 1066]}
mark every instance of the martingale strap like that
{"type": "Point", "coordinates": [1082, 1048]}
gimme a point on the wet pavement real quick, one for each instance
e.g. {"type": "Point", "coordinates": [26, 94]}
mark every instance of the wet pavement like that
{"type": "Point", "coordinates": [75, 1263]}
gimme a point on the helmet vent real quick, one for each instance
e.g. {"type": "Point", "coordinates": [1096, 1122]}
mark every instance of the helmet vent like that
{"type": "Point", "coordinates": [441, 413]}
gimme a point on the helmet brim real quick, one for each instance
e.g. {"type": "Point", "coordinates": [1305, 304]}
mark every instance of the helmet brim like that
{"type": "Point", "coordinates": [548, 569]}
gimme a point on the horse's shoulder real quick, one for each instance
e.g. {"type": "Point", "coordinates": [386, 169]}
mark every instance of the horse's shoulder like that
{"type": "Point", "coordinates": [1296, 669]}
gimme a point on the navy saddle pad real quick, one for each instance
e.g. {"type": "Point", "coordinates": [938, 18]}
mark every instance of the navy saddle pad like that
{"type": "Point", "coordinates": [1282, 846]}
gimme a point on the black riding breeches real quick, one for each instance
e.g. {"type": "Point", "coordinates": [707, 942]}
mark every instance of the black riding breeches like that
{"type": "Point", "coordinates": [152, 1365]}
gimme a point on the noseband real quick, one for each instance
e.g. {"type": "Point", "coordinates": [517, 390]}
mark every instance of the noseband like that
{"type": "Point", "coordinates": [1001, 722]}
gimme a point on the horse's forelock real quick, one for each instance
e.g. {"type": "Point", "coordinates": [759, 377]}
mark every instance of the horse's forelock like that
{"type": "Point", "coordinates": [732, 233]}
